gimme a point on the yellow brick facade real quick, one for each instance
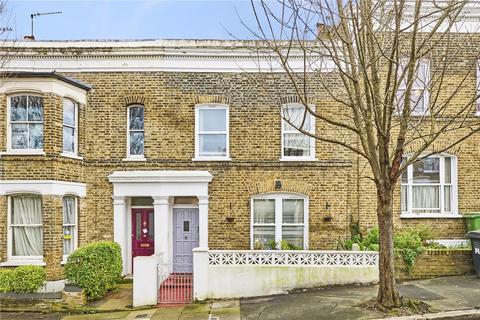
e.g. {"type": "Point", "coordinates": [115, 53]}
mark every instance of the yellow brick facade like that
{"type": "Point", "coordinates": [335, 184]}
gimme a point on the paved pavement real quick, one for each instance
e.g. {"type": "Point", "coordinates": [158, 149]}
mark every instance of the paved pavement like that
{"type": "Point", "coordinates": [442, 294]}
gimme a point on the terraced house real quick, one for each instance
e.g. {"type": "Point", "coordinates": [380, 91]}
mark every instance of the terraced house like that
{"type": "Point", "coordinates": [167, 146]}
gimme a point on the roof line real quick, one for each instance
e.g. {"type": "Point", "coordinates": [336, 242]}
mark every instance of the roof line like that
{"type": "Point", "coordinates": [53, 74]}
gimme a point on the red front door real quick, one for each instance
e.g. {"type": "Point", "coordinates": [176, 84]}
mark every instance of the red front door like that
{"type": "Point", "coordinates": [143, 237]}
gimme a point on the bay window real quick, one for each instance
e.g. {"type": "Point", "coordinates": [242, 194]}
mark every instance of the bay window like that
{"type": "Point", "coordinates": [429, 187]}
{"type": "Point", "coordinates": [70, 130]}
{"type": "Point", "coordinates": [295, 144]}
{"type": "Point", "coordinates": [419, 95]}
{"type": "Point", "coordinates": [279, 219]}
{"type": "Point", "coordinates": [25, 123]}
{"type": "Point", "coordinates": [212, 132]}
{"type": "Point", "coordinates": [69, 224]}
{"type": "Point", "coordinates": [136, 132]}
{"type": "Point", "coordinates": [25, 227]}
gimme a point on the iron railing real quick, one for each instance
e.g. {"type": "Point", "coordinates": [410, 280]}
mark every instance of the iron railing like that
{"type": "Point", "coordinates": [174, 287]}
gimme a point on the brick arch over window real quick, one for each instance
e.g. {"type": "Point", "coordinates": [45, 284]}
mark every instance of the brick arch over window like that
{"type": "Point", "coordinates": [295, 99]}
{"type": "Point", "coordinates": [211, 99]}
{"type": "Point", "coordinates": [453, 151]}
{"type": "Point", "coordinates": [134, 99]}
{"type": "Point", "coordinates": [288, 186]}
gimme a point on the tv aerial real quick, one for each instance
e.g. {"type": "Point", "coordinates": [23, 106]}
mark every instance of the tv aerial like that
{"type": "Point", "coordinates": [37, 14]}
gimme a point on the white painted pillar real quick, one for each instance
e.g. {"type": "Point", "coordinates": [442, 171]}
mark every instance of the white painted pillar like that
{"type": "Point", "coordinates": [120, 228]}
{"type": "Point", "coordinates": [203, 221]}
{"type": "Point", "coordinates": [200, 274]}
{"type": "Point", "coordinates": [160, 207]}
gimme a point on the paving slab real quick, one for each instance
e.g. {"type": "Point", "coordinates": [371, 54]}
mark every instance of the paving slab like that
{"type": "Point", "coordinates": [168, 313]}
{"type": "Point", "coordinates": [99, 316]}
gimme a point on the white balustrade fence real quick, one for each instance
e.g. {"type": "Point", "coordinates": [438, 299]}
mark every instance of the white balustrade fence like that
{"type": "Point", "coordinates": [243, 273]}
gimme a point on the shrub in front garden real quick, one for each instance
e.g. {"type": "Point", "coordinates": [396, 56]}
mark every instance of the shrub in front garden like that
{"type": "Point", "coordinates": [96, 268]}
{"type": "Point", "coordinates": [23, 279]}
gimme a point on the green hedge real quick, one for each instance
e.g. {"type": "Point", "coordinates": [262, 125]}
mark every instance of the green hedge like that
{"type": "Point", "coordinates": [96, 268]}
{"type": "Point", "coordinates": [24, 279]}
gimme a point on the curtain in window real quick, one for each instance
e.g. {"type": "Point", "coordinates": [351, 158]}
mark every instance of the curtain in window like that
{"type": "Point", "coordinates": [69, 221]}
{"type": "Point", "coordinates": [26, 226]}
{"type": "Point", "coordinates": [426, 199]}
{"type": "Point", "coordinates": [292, 211]}
{"type": "Point", "coordinates": [264, 213]}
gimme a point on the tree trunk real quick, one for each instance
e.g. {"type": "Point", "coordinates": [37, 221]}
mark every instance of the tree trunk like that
{"type": "Point", "coordinates": [388, 295]}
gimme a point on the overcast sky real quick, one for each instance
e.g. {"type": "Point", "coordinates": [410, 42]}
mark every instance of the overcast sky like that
{"type": "Point", "coordinates": [160, 19]}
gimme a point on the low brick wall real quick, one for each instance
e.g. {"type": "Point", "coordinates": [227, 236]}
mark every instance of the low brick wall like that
{"type": "Point", "coordinates": [436, 263]}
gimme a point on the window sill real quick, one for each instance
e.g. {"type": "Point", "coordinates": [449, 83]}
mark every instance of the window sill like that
{"type": "Point", "coordinates": [431, 216]}
{"type": "Point", "coordinates": [72, 156]}
{"type": "Point", "coordinates": [134, 159]}
{"type": "Point", "coordinates": [295, 159]}
{"type": "Point", "coordinates": [14, 263]}
{"type": "Point", "coordinates": [23, 153]}
{"type": "Point", "coordinates": [212, 159]}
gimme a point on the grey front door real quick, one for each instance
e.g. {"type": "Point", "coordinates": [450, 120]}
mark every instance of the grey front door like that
{"type": "Point", "coordinates": [185, 237]}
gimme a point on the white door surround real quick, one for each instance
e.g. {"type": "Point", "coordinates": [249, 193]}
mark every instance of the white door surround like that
{"type": "Point", "coordinates": [162, 186]}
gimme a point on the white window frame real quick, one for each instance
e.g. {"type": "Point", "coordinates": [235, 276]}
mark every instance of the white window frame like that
{"type": "Point", "coordinates": [19, 260]}
{"type": "Point", "coordinates": [73, 154]}
{"type": "Point", "coordinates": [278, 197]}
{"type": "Point", "coordinates": [75, 226]}
{"type": "Point", "coordinates": [312, 156]}
{"type": "Point", "coordinates": [426, 91]}
{"type": "Point", "coordinates": [453, 185]}
{"type": "Point", "coordinates": [205, 106]}
{"type": "Point", "coordinates": [27, 151]}
{"type": "Point", "coordinates": [135, 157]}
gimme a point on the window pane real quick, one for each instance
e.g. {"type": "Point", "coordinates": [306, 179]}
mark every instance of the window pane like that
{"type": "Point", "coordinates": [27, 241]}
{"type": "Point", "coordinates": [69, 112]}
{"type": "Point", "coordinates": [295, 116]}
{"type": "Point", "coordinates": [265, 236]}
{"type": "Point", "coordinates": [35, 136]}
{"type": "Point", "coordinates": [68, 239]}
{"type": "Point", "coordinates": [69, 210]}
{"type": "Point", "coordinates": [296, 145]}
{"type": "Point", "coordinates": [426, 171]}
{"type": "Point", "coordinates": [35, 108]}
{"type": "Point", "coordinates": [448, 170]}
{"type": "Point", "coordinates": [136, 118]}
{"type": "Point", "coordinates": [426, 199]}
{"type": "Point", "coordinates": [293, 235]}
{"type": "Point", "coordinates": [212, 120]}
{"type": "Point", "coordinates": [68, 139]}
{"type": "Point", "coordinates": [25, 211]}
{"type": "Point", "coordinates": [404, 198]}
{"type": "Point", "coordinates": [447, 199]}
{"type": "Point", "coordinates": [417, 101]}
{"type": "Point", "coordinates": [264, 211]}
{"type": "Point", "coordinates": [19, 136]}
{"type": "Point", "coordinates": [136, 143]}
{"type": "Point", "coordinates": [293, 210]}
{"type": "Point", "coordinates": [18, 109]}
{"type": "Point", "coordinates": [213, 144]}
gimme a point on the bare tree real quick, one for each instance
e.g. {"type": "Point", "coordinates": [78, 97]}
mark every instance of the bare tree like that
{"type": "Point", "coordinates": [6, 44]}
{"type": "Point", "coordinates": [391, 81]}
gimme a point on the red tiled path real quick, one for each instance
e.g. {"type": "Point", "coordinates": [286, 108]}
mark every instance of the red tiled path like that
{"type": "Point", "coordinates": [176, 289]}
